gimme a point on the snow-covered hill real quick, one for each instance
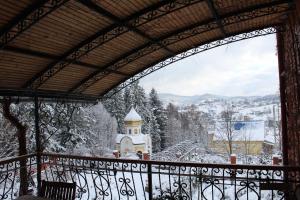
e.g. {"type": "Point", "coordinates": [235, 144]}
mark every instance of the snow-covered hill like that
{"type": "Point", "coordinates": [198, 99]}
{"type": "Point", "coordinates": [254, 107]}
{"type": "Point", "coordinates": [187, 100]}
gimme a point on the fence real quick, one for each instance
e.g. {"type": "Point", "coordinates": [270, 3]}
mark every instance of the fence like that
{"type": "Point", "coordinates": [104, 178]}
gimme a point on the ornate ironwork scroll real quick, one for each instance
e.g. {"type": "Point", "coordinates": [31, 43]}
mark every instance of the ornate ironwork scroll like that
{"type": "Point", "coordinates": [98, 178]}
{"type": "Point", "coordinates": [10, 176]}
{"type": "Point", "coordinates": [105, 178]}
{"type": "Point", "coordinates": [23, 23]}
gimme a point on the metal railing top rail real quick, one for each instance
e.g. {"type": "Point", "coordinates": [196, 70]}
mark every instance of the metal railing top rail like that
{"type": "Point", "coordinates": [154, 162]}
{"type": "Point", "coordinates": [189, 164]}
{"type": "Point", "coordinates": [17, 158]}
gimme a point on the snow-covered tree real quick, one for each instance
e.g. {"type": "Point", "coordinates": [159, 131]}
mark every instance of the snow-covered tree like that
{"type": "Point", "coordinates": [116, 107]}
{"type": "Point", "coordinates": [160, 116]}
{"type": "Point", "coordinates": [226, 127]}
{"type": "Point", "coordinates": [155, 133]}
{"type": "Point", "coordinates": [135, 96]}
{"type": "Point", "coordinates": [104, 129]}
{"type": "Point", "coordinates": [185, 125]}
{"type": "Point", "coordinates": [246, 136]}
{"type": "Point", "coordinates": [127, 99]}
{"type": "Point", "coordinates": [193, 125]}
{"type": "Point", "coordinates": [8, 140]}
{"type": "Point", "coordinates": [65, 127]}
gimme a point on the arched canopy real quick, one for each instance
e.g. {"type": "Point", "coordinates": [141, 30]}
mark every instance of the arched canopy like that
{"type": "Point", "coordinates": [81, 49]}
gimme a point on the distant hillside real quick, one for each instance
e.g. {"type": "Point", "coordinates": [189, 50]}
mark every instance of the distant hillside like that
{"type": "Point", "coordinates": [205, 98]}
{"type": "Point", "coordinates": [255, 107]}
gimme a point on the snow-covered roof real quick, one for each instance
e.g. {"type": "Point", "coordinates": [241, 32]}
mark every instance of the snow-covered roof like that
{"type": "Point", "coordinates": [248, 130]}
{"type": "Point", "coordinates": [136, 139]}
{"type": "Point", "coordinates": [132, 116]}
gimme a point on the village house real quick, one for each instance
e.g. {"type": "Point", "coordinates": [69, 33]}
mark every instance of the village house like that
{"type": "Point", "coordinates": [248, 138]}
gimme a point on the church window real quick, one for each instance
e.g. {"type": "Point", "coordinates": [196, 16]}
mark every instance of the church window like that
{"type": "Point", "coordinates": [129, 131]}
{"type": "Point", "coordinates": [135, 131]}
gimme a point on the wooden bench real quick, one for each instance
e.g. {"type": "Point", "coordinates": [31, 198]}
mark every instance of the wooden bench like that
{"type": "Point", "coordinates": [58, 190]}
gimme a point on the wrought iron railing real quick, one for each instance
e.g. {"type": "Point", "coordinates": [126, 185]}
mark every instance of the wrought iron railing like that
{"type": "Point", "coordinates": [104, 178]}
{"type": "Point", "coordinates": [17, 175]}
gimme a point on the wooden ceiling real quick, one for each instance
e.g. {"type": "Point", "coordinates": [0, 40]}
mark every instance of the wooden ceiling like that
{"type": "Point", "coordinates": [84, 48]}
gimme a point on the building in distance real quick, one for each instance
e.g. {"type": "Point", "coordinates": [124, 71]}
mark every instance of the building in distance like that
{"type": "Point", "coordinates": [133, 143]}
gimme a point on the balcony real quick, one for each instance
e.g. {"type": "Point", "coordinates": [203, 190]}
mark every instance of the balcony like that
{"type": "Point", "coordinates": [63, 63]}
{"type": "Point", "coordinates": [105, 178]}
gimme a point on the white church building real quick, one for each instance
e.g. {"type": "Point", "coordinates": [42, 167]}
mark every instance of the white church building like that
{"type": "Point", "coordinates": [133, 141]}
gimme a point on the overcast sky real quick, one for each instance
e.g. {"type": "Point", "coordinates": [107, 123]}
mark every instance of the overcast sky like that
{"type": "Point", "coordinates": [243, 68]}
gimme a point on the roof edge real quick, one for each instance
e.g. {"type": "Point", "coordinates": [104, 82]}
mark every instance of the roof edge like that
{"type": "Point", "coordinates": [48, 94]}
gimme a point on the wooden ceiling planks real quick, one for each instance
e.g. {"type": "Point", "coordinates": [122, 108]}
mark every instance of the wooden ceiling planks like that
{"type": "Point", "coordinates": [174, 21]}
{"type": "Point", "coordinates": [228, 6]}
{"type": "Point", "coordinates": [194, 41]}
{"type": "Point", "coordinates": [61, 30]}
{"type": "Point", "coordinates": [114, 49]}
{"type": "Point", "coordinates": [123, 9]}
{"type": "Point", "coordinates": [171, 27]}
{"type": "Point", "coordinates": [15, 68]}
{"type": "Point", "coordinates": [106, 82]}
{"type": "Point", "coordinates": [254, 23]}
{"type": "Point", "coordinates": [9, 10]}
{"type": "Point", "coordinates": [61, 83]}
{"type": "Point", "coordinates": [143, 61]}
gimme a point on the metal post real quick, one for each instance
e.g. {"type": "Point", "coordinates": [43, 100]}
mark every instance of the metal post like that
{"type": "Point", "coordinates": [150, 181]}
{"type": "Point", "coordinates": [38, 143]}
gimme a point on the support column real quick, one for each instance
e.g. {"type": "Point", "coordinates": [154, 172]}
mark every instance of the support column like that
{"type": "Point", "coordinates": [282, 86]}
{"type": "Point", "coordinates": [38, 142]}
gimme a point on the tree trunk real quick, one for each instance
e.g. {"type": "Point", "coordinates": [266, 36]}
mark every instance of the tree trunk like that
{"type": "Point", "coordinates": [21, 134]}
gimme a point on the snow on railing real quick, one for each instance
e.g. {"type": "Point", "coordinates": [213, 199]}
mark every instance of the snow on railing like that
{"type": "Point", "coordinates": [105, 178]}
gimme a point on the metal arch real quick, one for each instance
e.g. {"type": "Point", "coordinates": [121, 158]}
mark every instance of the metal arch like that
{"type": "Point", "coordinates": [153, 12]}
{"type": "Point", "coordinates": [30, 16]}
{"type": "Point", "coordinates": [198, 28]}
{"type": "Point", "coordinates": [191, 52]}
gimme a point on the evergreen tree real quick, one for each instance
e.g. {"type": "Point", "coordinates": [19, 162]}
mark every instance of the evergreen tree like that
{"type": "Point", "coordinates": [127, 99]}
{"type": "Point", "coordinates": [135, 97]}
{"type": "Point", "coordinates": [117, 108]}
{"type": "Point", "coordinates": [160, 116]}
{"type": "Point", "coordinates": [155, 134]}
{"type": "Point", "coordinates": [173, 129]}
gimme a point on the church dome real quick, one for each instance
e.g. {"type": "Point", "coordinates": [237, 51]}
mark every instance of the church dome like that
{"type": "Point", "coordinates": [133, 116]}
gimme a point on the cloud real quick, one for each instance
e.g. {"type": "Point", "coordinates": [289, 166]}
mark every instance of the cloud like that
{"type": "Point", "coordinates": [243, 68]}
